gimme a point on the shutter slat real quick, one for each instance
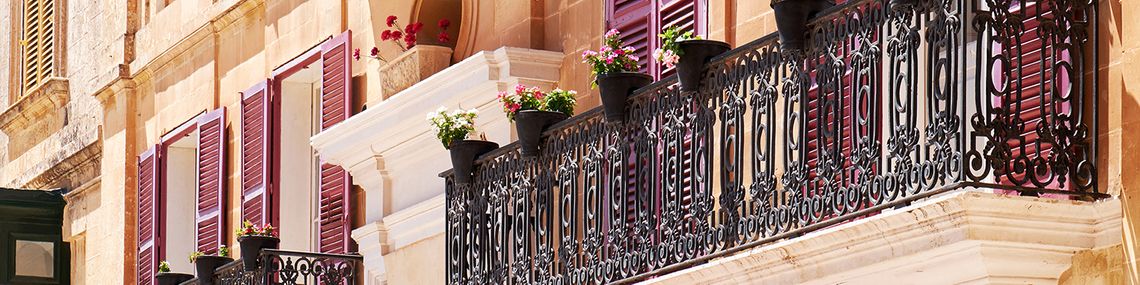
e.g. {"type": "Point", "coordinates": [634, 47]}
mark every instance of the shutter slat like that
{"type": "Point", "coordinates": [335, 187]}
{"type": "Point", "coordinates": [211, 181]}
{"type": "Point", "coordinates": [256, 113]}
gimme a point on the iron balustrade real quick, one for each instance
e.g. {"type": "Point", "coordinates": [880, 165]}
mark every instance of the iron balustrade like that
{"type": "Point", "coordinates": [293, 267]}
{"type": "Point", "coordinates": [889, 105]}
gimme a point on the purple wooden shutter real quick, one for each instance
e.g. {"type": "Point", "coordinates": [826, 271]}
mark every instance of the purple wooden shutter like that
{"type": "Point", "coordinates": [150, 217]}
{"type": "Point", "coordinates": [335, 215]}
{"type": "Point", "coordinates": [210, 230]}
{"type": "Point", "coordinates": [632, 19]}
{"type": "Point", "coordinates": [256, 137]}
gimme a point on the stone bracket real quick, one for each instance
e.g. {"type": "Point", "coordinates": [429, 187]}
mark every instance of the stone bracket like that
{"type": "Point", "coordinates": [35, 105]}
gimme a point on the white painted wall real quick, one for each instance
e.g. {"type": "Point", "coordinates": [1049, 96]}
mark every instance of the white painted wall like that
{"type": "Point", "coordinates": [181, 184]}
{"type": "Point", "coordinates": [298, 166]}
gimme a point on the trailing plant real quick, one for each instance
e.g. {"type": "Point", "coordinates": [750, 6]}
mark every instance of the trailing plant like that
{"type": "Point", "coordinates": [452, 126]}
{"type": "Point", "coordinates": [405, 38]}
{"type": "Point", "coordinates": [613, 57]}
{"type": "Point", "coordinates": [531, 98]}
{"type": "Point", "coordinates": [670, 52]}
{"type": "Point", "coordinates": [164, 267]}
{"type": "Point", "coordinates": [249, 229]}
{"type": "Point", "coordinates": [194, 256]}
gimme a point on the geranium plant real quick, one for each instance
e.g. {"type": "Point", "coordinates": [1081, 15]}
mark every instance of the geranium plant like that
{"type": "Point", "coordinates": [531, 98]}
{"type": "Point", "coordinates": [249, 229]}
{"type": "Point", "coordinates": [614, 56]}
{"type": "Point", "coordinates": [222, 251]}
{"type": "Point", "coordinates": [164, 267]}
{"type": "Point", "coordinates": [669, 52]}
{"type": "Point", "coordinates": [452, 126]}
{"type": "Point", "coordinates": [405, 38]}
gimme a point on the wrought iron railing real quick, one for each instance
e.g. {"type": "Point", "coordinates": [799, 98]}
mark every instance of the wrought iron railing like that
{"type": "Point", "coordinates": [890, 104]}
{"type": "Point", "coordinates": [293, 267]}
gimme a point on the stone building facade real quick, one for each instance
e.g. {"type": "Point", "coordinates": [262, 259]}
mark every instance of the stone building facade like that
{"type": "Point", "coordinates": [115, 79]}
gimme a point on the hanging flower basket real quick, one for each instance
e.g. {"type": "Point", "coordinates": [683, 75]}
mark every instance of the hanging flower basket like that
{"type": "Point", "coordinates": [615, 67]}
{"type": "Point", "coordinates": [206, 265]}
{"type": "Point", "coordinates": [687, 53]}
{"type": "Point", "coordinates": [463, 155]}
{"type": "Point", "coordinates": [533, 111]}
{"type": "Point", "coordinates": [452, 130]}
{"type": "Point", "coordinates": [168, 278]}
{"type": "Point", "coordinates": [252, 240]}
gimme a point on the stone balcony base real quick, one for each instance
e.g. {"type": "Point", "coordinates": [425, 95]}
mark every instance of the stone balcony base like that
{"type": "Point", "coordinates": [969, 237]}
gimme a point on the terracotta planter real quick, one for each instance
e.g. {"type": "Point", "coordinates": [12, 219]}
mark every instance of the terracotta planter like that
{"type": "Point", "coordinates": [615, 89]}
{"type": "Point", "coordinates": [694, 55]}
{"type": "Point", "coordinates": [206, 265]}
{"type": "Point", "coordinates": [411, 67]}
{"type": "Point", "coordinates": [530, 124]}
{"type": "Point", "coordinates": [169, 278]}
{"type": "Point", "coordinates": [251, 247]}
{"type": "Point", "coordinates": [463, 155]}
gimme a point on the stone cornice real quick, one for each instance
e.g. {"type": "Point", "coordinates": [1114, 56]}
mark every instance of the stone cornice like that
{"type": "Point", "coordinates": [34, 105]}
{"type": "Point", "coordinates": [144, 70]}
{"type": "Point", "coordinates": [956, 238]}
{"type": "Point", "coordinates": [88, 159]}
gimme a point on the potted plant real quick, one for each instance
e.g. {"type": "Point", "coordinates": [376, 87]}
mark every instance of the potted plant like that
{"type": "Point", "coordinates": [614, 67]}
{"type": "Point", "coordinates": [252, 240]}
{"type": "Point", "coordinates": [165, 277]}
{"type": "Point", "coordinates": [792, 18]}
{"type": "Point", "coordinates": [688, 53]}
{"type": "Point", "coordinates": [452, 130]}
{"type": "Point", "coordinates": [205, 265]}
{"type": "Point", "coordinates": [533, 111]}
{"type": "Point", "coordinates": [416, 61]}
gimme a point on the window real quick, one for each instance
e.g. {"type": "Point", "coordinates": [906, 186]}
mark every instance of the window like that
{"type": "Point", "coordinates": [639, 22]}
{"type": "Point", "coordinates": [36, 258]}
{"type": "Point", "coordinates": [180, 185]}
{"type": "Point", "coordinates": [38, 42]}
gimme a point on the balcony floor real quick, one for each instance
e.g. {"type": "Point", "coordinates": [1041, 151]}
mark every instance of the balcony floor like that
{"type": "Point", "coordinates": [969, 237]}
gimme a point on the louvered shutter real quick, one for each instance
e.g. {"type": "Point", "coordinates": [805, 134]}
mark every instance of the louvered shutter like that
{"type": "Point", "coordinates": [336, 106]}
{"type": "Point", "coordinates": [688, 15]}
{"type": "Point", "coordinates": [150, 218]}
{"type": "Point", "coordinates": [1033, 90]}
{"type": "Point", "coordinates": [38, 42]}
{"type": "Point", "coordinates": [632, 18]}
{"type": "Point", "coordinates": [256, 137]}
{"type": "Point", "coordinates": [210, 229]}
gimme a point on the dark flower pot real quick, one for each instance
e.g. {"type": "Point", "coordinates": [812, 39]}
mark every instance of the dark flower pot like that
{"type": "Point", "coordinates": [615, 89]}
{"type": "Point", "coordinates": [463, 155]}
{"type": "Point", "coordinates": [694, 55]}
{"type": "Point", "coordinates": [206, 265]}
{"type": "Point", "coordinates": [169, 278]}
{"type": "Point", "coordinates": [530, 124]}
{"type": "Point", "coordinates": [251, 247]}
{"type": "Point", "coordinates": [792, 18]}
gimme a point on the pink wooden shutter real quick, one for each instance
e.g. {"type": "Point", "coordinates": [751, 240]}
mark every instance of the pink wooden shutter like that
{"type": "Point", "coordinates": [211, 181]}
{"type": "Point", "coordinates": [256, 119]}
{"type": "Point", "coordinates": [632, 19]}
{"type": "Point", "coordinates": [336, 105]}
{"type": "Point", "coordinates": [150, 217]}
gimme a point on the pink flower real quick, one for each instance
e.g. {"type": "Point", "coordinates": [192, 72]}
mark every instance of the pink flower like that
{"type": "Point", "coordinates": [519, 88]}
{"type": "Point", "coordinates": [538, 95]}
{"type": "Point", "coordinates": [515, 107]}
{"type": "Point", "coordinates": [610, 60]}
{"type": "Point", "coordinates": [502, 94]}
{"type": "Point", "coordinates": [356, 54]}
{"type": "Point", "coordinates": [611, 33]}
{"type": "Point", "coordinates": [444, 23]}
{"type": "Point", "coordinates": [589, 53]}
{"type": "Point", "coordinates": [391, 21]}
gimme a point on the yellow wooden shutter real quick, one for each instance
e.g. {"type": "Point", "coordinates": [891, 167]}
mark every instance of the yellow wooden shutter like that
{"type": "Point", "coordinates": [38, 41]}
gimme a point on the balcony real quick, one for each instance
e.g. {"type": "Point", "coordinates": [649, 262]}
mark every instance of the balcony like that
{"type": "Point", "coordinates": [290, 267]}
{"type": "Point", "coordinates": [891, 106]}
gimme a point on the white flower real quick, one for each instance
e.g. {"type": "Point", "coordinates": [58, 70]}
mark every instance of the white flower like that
{"type": "Point", "coordinates": [473, 111]}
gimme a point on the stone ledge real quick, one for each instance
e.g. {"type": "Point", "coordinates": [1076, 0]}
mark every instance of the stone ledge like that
{"type": "Point", "coordinates": [964, 237]}
{"type": "Point", "coordinates": [35, 105]}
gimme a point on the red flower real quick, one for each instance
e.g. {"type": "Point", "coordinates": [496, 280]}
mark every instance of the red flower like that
{"type": "Point", "coordinates": [443, 38]}
{"type": "Point", "coordinates": [391, 20]}
{"type": "Point", "coordinates": [356, 54]}
{"type": "Point", "coordinates": [374, 52]}
{"type": "Point", "coordinates": [444, 23]}
{"type": "Point", "coordinates": [410, 39]}
{"type": "Point", "coordinates": [414, 28]}
{"type": "Point", "coordinates": [397, 35]}
{"type": "Point", "coordinates": [386, 35]}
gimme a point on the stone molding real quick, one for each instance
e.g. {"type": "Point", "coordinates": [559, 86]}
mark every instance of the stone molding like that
{"type": "Point", "coordinates": [35, 105]}
{"type": "Point", "coordinates": [73, 171]}
{"type": "Point", "coordinates": [965, 237]}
